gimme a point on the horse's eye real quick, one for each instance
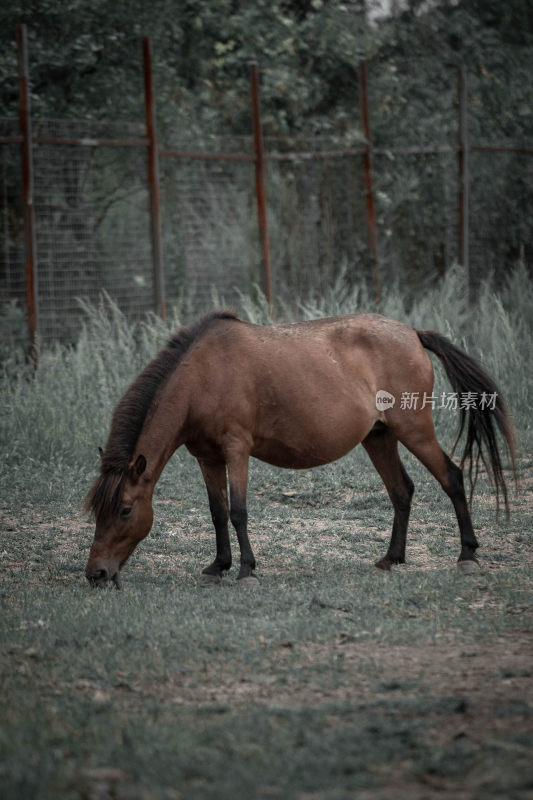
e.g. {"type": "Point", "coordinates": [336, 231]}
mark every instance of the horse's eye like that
{"type": "Point", "coordinates": [125, 512]}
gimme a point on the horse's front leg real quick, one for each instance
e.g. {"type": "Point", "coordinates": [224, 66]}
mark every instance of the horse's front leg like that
{"type": "Point", "coordinates": [237, 461]}
{"type": "Point", "coordinates": [215, 480]}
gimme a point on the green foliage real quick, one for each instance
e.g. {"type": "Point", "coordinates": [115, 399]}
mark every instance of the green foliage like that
{"type": "Point", "coordinates": [83, 54]}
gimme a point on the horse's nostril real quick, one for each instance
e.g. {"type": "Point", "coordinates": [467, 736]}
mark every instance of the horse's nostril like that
{"type": "Point", "coordinates": [96, 576]}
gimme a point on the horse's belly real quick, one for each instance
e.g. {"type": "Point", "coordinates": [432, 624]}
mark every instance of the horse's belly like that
{"type": "Point", "coordinates": [279, 455]}
{"type": "Point", "coordinates": [312, 427]}
{"type": "Point", "coordinates": [297, 449]}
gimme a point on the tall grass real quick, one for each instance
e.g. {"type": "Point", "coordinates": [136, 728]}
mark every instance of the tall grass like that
{"type": "Point", "coordinates": [52, 422]}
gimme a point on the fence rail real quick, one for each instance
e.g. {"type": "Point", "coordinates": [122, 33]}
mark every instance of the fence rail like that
{"type": "Point", "coordinates": [70, 217]}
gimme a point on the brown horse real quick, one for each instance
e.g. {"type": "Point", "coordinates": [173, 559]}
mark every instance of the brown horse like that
{"type": "Point", "coordinates": [294, 396]}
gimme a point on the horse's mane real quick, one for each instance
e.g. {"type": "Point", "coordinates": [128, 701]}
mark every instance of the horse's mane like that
{"type": "Point", "coordinates": [130, 414]}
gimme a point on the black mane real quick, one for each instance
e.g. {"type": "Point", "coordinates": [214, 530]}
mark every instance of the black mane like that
{"type": "Point", "coordinates": [130, 414]}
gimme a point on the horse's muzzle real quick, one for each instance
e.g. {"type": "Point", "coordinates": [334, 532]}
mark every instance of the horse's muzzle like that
{"type": "Point", "coordinates": [100, 576]}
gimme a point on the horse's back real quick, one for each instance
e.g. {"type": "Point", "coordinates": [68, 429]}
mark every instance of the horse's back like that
{"type": "Point", "coordinates": [368, 348]}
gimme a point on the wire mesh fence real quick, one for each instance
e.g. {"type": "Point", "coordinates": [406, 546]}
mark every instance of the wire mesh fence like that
{"type": "Point", "coordinates": [91, 210]}
{"type": "Point", "coordinates": [417, 204]}
{"type": "Point", "coordinates": [417, 174]}
{"type": "Point", "coordinates": [93, 213]}
{"type": "Point", "coordinates": [317, 215]}
{"type": "Point", "coordinates": [209, 223]}
{"type": "Point", "coordinates": [13, 337]}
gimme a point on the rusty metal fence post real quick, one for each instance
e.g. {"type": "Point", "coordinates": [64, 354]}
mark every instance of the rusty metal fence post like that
{"type": "Point", "coordinates": [153, 181]}
{"type": "Point", "coordinates": [369, 191]}
{"type": "Point", "coordinates": [260, 188]}
{"type": "Point", "coordinates": [463, 177]}
{"type": "Point", "coordinates": [28, 199]}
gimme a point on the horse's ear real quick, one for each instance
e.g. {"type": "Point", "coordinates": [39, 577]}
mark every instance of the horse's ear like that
{"type": "Point", "coordinates": [101, 452]}
{"type": "Point", "coordinates": [137, 469]}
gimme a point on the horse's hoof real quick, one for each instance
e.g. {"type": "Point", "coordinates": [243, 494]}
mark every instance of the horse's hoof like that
{"type": "Point", "coordinates": [469, 567]}
{"type": "Point", "coordinates": [207, 579]}
{"type": "Point", "coordinates": [249, 582]}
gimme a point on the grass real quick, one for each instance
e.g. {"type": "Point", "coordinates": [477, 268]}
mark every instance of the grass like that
{"type": "Point", "coordinates": [330, 681]}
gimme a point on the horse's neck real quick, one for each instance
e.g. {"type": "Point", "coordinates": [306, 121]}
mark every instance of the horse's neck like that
{"type": "Point", "coordinates": [162, 432]}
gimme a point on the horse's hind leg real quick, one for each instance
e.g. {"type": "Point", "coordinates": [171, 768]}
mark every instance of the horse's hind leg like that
{"type": "Point", "coordinates": [423, 443]}
{"type": "Point", "coordinates": [382, 447]}
{"type": "Point", "coordinates": [215, 480]}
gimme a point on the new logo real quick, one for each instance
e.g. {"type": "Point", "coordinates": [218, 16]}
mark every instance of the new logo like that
{"type": "Point", "coordinates": [384, 400]}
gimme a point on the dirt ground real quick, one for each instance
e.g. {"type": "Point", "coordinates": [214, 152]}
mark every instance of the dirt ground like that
{"type": "Point", "coordinates": [485, 683]}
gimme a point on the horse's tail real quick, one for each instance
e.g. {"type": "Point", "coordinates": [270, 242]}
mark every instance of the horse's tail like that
{"type": "Point", "coordinates": [483, 416]}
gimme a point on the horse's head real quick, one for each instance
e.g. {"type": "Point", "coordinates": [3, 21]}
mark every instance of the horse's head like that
{"type": "Point", "coordinates": [123, 511]}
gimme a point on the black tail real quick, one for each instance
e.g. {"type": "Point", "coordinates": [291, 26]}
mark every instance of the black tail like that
{"type": "Point", "coordinates": [482, 420]}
